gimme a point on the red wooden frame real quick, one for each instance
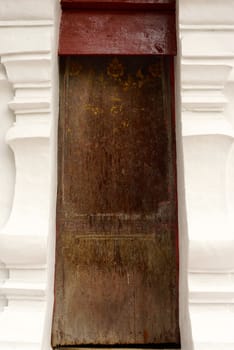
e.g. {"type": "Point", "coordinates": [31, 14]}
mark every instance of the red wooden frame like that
{"type": "Point", "coordinates": [119, 4]}
{"type": "Point", "coordinates": [118, 27]}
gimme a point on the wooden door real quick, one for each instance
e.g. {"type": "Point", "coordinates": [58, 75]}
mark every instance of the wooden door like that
{"type": "Point", "coordinates": [116, 279]}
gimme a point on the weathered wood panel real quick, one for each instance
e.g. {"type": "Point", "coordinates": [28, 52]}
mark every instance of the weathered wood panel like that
{"type": "Point", "coordinates": [116, 251]}
{"type": "Point", "coordinates": [91, 32]}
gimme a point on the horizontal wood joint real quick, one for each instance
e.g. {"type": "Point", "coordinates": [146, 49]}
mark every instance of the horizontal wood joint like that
{"type": "Point", "coordinates": [119, 4]}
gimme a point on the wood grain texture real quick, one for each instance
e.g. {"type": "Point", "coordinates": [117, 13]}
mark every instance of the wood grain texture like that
{"type": "Point", "coordinates": [116, 250]}
{"type": "Point", "coordinates": [90, 32]}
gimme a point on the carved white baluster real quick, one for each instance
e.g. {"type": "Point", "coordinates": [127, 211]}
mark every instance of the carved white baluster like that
{"type": "Point", "coordinates": [7, 173]}
{"type": "Point", "coordinates": [207, 34]}
{"type": "Point", "coordinates": [27, 45]}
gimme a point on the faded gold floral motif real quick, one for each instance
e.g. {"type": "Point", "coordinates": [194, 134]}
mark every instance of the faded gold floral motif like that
{"type": "Point", "coordinates": [155, 70]}
{"type": "Point", "coordinates": [75, 69]}
{"type": "Point", "coordinates": [115, 69]}
{"type": "Point", "coordinates": [116, 109]}
{"type": "Point", "coordinates": [95, 110]}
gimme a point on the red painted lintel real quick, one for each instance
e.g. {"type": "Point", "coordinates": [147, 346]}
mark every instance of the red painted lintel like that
{"type": "Point", "coordinates": [89, 32]}
{"type": "Point", "coordinates": [119, 4]}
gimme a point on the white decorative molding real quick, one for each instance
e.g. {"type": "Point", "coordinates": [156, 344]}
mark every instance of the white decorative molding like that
{"type": "Point", "coordinates": [28, 43]}
{"type": "Point", "coordinates": [7, 173]}
{"type": "Point", "coordinates": [207, 66]}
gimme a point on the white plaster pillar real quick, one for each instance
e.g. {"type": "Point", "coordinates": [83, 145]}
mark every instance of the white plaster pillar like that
{"type": "Point", "coordinates": [207, 62]}
{"type": "Point", "coordinates": [28, 51]}
{"type": "Point", "coordinates": [7, 170]}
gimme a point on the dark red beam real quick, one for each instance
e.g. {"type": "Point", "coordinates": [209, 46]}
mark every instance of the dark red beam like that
{"type": "Point", "coordinates": [119, 4]}
{"type": "Point", "coordinates": [90, 32]}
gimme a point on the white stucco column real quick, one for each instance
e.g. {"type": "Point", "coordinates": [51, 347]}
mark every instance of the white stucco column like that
{"type": "Point", "coordinates": [29, 87]}
{"type": "Point", "coordinates": [207, 61]}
